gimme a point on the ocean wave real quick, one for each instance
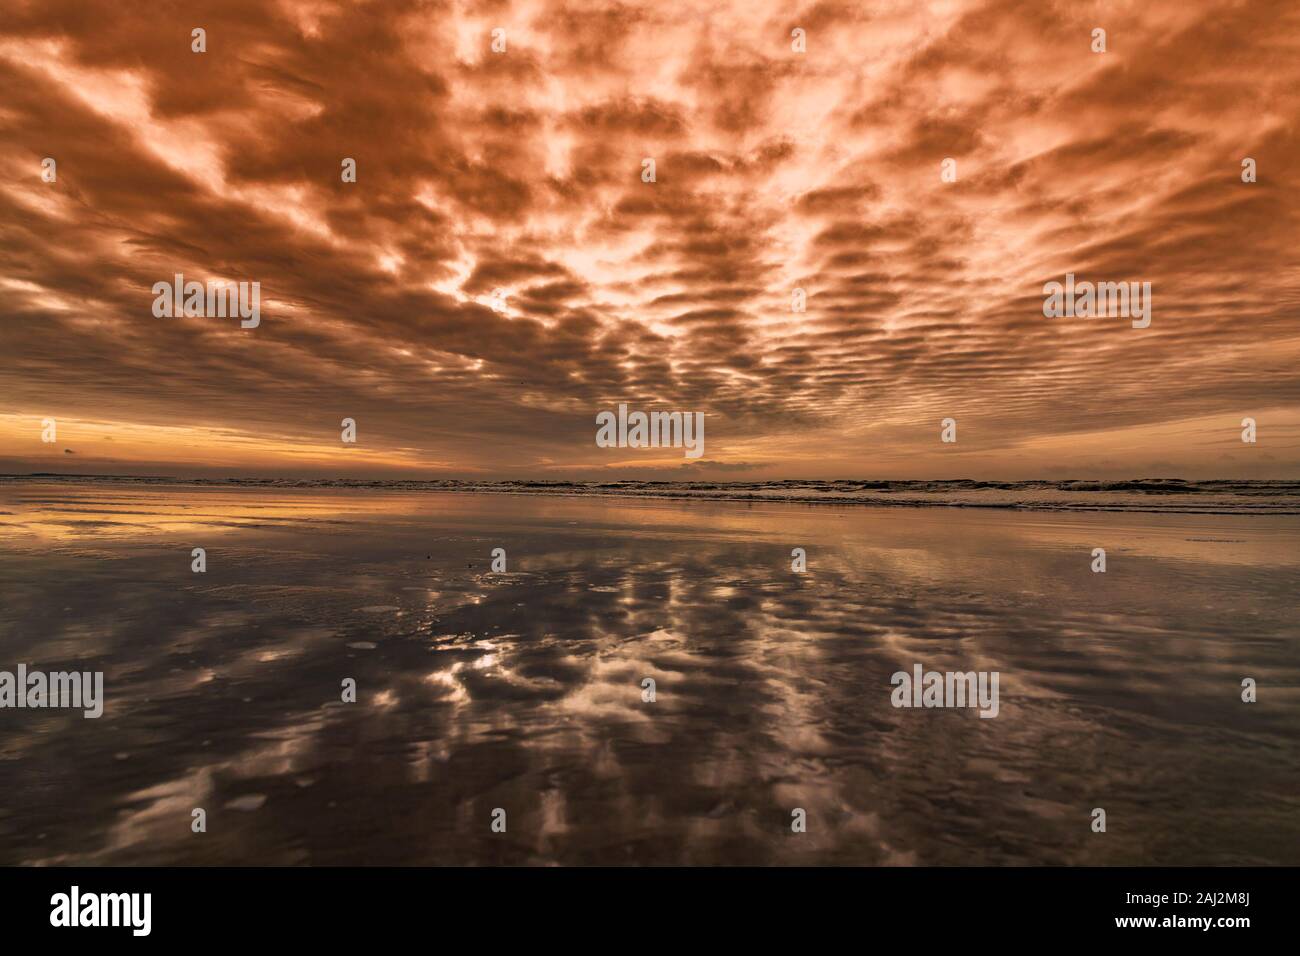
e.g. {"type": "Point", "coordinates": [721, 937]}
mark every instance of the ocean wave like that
{"type": "Point", "coordinates": [1219, 496]}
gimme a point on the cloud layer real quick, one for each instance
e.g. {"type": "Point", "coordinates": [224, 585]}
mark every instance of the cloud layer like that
{"type": "Point", "coordinates": [521, 171]}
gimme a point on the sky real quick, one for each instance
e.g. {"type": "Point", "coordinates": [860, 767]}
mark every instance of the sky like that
{"type": "Point", "coordinates": [501, 271]}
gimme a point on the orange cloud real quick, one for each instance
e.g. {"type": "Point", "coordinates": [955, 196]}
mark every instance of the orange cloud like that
{"type": "Point", "coordinates": [520, 173]}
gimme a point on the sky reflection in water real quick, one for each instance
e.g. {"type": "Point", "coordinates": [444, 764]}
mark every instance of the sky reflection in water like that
{"type": "Point", "coordinates": [522, 690]}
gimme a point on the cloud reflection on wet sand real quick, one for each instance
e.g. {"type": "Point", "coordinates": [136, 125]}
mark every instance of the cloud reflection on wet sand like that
{"type": "Point", "coordinates": [522, 690]}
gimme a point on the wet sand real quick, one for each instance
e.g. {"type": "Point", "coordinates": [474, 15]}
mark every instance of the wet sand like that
{"type": "Point", "coordinates": [522, 690]}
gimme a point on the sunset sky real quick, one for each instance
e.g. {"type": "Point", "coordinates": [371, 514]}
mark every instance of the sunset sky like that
{"type": "Point", "coordinates": [775, 170]}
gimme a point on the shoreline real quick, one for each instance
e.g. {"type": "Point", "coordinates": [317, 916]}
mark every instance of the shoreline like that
{"type": "Point", "coordinates": [1137, 496]}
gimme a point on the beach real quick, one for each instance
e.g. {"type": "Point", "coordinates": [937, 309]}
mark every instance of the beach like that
{"type": "Point", "coordinates": [522, 690]}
